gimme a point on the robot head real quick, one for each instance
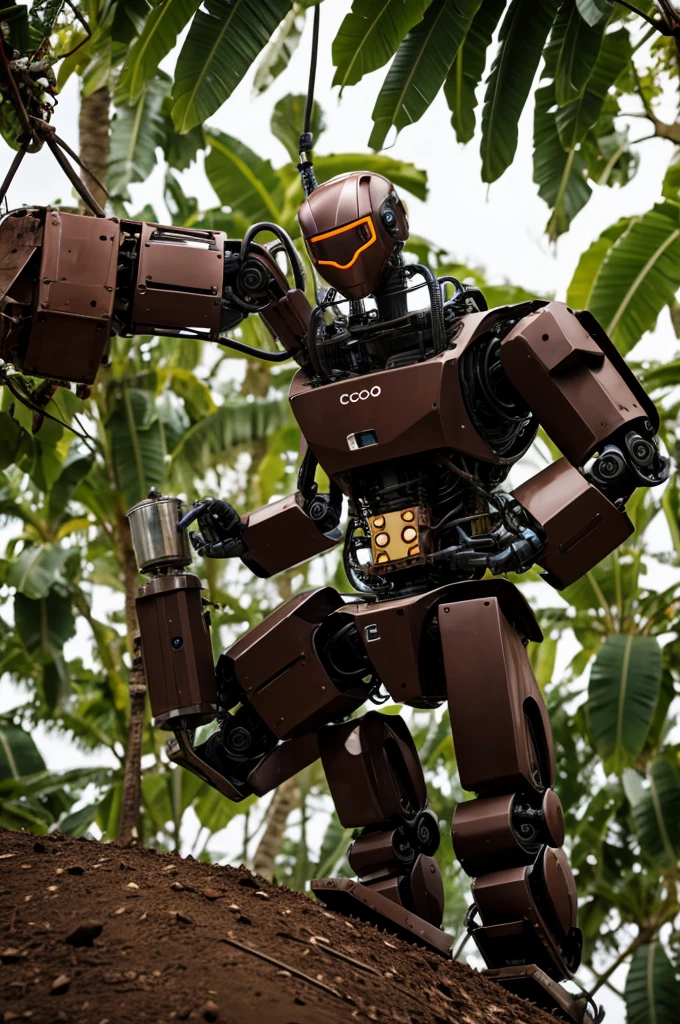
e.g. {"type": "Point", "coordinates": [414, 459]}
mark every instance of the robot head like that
{"type": "Point", "coordinates": [352, 225]}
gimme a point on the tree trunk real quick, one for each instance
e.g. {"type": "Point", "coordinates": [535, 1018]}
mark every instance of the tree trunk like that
{"type": "Point", "coordinates": [128, 823]}
{"type": "Point", "coordinates": [95, 144]}
{"type": "Point", "coordinates": [132, 775]}
{"type": "Point", "coordinates": [284, 800]}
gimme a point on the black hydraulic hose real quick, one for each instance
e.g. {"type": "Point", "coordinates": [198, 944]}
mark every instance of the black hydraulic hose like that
{"type": "Point", "coordinates": [286, 241]}
{"type": "Point", "coordinates": [436, 305]}
{"type": "Point", "coordinates": [250, 350]}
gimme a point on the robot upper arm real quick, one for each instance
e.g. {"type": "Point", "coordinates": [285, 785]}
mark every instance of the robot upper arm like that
{"type": "Point", "coordinates": [590, 404]}
{"type": "Point", "coordinates": [575, 381]}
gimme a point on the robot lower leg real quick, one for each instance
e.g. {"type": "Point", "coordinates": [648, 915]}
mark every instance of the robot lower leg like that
{"type": "Point", "coordinates": [377, 783]}
{"type": "Point", "coordinates": [508, 839]}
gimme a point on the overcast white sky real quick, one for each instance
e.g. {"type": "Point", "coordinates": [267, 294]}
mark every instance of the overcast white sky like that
{"type": "Point", "coordinates": [500, 228]}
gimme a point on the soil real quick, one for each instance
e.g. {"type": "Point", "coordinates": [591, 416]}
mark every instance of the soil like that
{"type": "Point", "coordinates": [94, 933]}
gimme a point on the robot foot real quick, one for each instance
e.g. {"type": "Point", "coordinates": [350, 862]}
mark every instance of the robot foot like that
{"type": "Point", "coordinates": [353, 899]}
{"type": "Point", "coordinates": [400, 885]}
{"type": "Point", "coordinates": [530, 982]}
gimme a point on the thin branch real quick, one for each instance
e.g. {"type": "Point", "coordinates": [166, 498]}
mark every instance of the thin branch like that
{"type": "Point", "coordinates": [643, 937]}
{"type": "Point", "coordinates": [658, 25]}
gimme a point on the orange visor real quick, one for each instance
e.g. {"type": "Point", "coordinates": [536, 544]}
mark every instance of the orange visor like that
{"type": "Point", "coordinates": [342, 247]}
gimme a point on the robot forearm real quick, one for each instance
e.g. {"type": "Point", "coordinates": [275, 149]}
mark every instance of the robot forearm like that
{"type": "Point", "coordinates": [269, 540]}
{"type": "Point", "coordinates": [68, 282]}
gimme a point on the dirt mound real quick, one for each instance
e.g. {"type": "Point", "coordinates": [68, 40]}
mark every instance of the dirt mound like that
{"type": "Point", "coordinates": [99, 934]}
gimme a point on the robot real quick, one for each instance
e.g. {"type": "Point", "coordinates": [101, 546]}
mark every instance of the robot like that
{"type": "Point", "coordinates": [416, 415]}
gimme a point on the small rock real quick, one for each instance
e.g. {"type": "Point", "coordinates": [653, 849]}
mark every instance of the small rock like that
{"type": "Point", "coordinates": [211, 1011]}
{"type": "Point", "coordinates": [75, 869]}
{"type": "Point", "coordinates": [60, 985]}
{"type": "Point", "coordinates": [11, 956]}
{"type": "Point", "coordinates": [284, 974]}
{"type": "Point", "coordinates": [132, 885]}
{"type": "Point", "coordinates": [6, 856]}
{"type": "Point", "coordinates": [143, 916]}
{"type": "Point", "coordinates": [171, 868]}
{"type": "Point", "coordinates": [234, 906]}
{"type": "Point", "coordinates": [183, 918]}
{"type": "Point", "coordinates": [262, 895]}
{"type": "Point", "coordinates": [85, 933]}
{"type": "Point", "coordinates": [177, 886]}
{"type": "Point", "coordinates": [131, 975]}
{"type": "Point", "coordinates": [59, 871]}
{"type": "Point", "coordinates": [117, 913]}
{"type": "Point", "coordinates": [53, 888]}
{"type": "Point", "coordinates": [27, 899]}
{"type": "Point", "coordinates": [10, 1014]}
{"type": "Point", "coordinates": [212, 894]}
{"type": "Point", "coordinates": [26, 867]}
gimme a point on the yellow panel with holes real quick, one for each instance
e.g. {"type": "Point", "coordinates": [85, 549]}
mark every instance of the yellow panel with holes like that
{"type": "Point", "coordinates": [397, 536]}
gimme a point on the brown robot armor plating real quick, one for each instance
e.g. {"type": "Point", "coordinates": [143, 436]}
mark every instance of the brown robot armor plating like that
{"type": "Point", "coordinates": [352, 225]}
{"type": "Point", "coordinates": [417, 417]}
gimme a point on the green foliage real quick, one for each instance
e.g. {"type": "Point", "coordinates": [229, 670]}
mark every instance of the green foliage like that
{"type": "Point", "coordinates": [136, 131]}
{"type": "Point", "coordinates": [370, 34]}
{"type": "Point", "coordinates": [288, 117]}
{"type": "Point", "coordinates": [639, 275]}
{"type": "Point", "coordinates": [573, 49]}
{"type": "Point", "coordinates": [652, 990]}
{"type": "Point", "coordinates": [277, 54]}
{"type": "Point", "coordinates": [560, 175]}
{"type": "Point", "coordinates": [624, 688]}
{"type": "Point", "coordinates": [241, 179]}
{"type": "Point", "coordinates": [157, 38]}
{"type": "Point", "coordinates": [19, 755]}
{"type": "Point", "coordinates": [656, 813]}
{"type": "Point", "coordinates": [594, 11]}
{"type": "Point", "coordinates": [420, 66]}
{"type": "Point", "coordinates": [523, 33]}
{"type": "Point", "coordinates": [468, 68]}
{"type": "Point", "coordinates": [221, 45]}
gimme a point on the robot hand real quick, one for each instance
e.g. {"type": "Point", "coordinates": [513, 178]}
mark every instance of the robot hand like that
{"type": "Point", "coordinates": [220, 529]}
{"type": "Point", "coordinates": [512, 546]}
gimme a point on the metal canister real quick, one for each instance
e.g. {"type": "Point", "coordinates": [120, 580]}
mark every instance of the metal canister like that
{"type": "Point", "coordinates": [157, 542]}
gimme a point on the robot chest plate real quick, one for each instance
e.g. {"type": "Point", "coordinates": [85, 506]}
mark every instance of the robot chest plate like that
{"type": "Point", "coordinates": [387, 415]}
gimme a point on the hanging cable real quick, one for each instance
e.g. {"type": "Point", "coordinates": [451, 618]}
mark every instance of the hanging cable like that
{"type": "Point", "coordinates": [250, 350]}
{"type": "Point", "coordinates": [306, 164]}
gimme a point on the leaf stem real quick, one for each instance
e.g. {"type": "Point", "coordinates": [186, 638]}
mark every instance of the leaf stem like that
{"type": "Point", "coordinates": [643, 937]}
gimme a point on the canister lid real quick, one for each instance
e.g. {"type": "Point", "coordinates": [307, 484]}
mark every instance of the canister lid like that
{"type": "Point", "coordinates": [154, 497]}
